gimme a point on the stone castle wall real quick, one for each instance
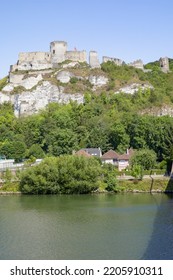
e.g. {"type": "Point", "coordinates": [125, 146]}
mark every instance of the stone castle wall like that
{"type": "Point", "coordinates": [117, 61]}
{"type": "Point", "coordinates": [43, 57]}
{"type": "Point", "coordinates": [79, 56]}
{"type": "Point", "coordinates": [137, 64]}
{"type": "Point", "coordinates": [58, 53]}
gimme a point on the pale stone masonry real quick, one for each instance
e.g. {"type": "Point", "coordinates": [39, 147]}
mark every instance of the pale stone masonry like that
{"type": "Point", "coordinates": [93, 60]}
{"type": "Point", "coordinates": [48, 60]}
{"type": "Point", "coordinates": [59, 53]}
{"type": "Point", "coordinates": [117, 61]}
{"type": "Point", "coordinates": [137, 64]}
{"type": "Point", "coordinates": [164, 64]}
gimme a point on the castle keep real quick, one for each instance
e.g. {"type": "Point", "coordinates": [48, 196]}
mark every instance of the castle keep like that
{"type": "Point", "coordinates": [46, 60]}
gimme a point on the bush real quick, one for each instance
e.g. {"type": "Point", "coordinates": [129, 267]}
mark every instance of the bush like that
{"type": "Point", "coordinates": [73, 80]}
{"type": "Point", "coordinates": [3, 82]}
{"type": "Point", "coordinates": [62, 175]}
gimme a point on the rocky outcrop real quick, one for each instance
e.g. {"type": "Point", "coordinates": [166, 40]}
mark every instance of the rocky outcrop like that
{"type": "Point", "coordinates": [30, 102]}
{"type": "Point", "coordinates": [164, 110]}
{"type": "Point", "coordinates": [98, 81]}
{"type": "Point", "coordinates": [20, 80]}
{"type": "Point", "coordinates": [131, 89]}
{"type": "Point", "coordinates": [64, 76]}
{"type": "Point", "coordinates": [71, 64]}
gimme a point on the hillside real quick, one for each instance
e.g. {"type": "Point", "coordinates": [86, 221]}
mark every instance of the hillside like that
{"type": "Point", "coordinates": [149, 91]}
{"type": "Point", "coordinates": [102, 115]}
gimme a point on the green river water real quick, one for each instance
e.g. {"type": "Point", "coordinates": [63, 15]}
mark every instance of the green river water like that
{"type": "Point", "coordinates": [119, 226]}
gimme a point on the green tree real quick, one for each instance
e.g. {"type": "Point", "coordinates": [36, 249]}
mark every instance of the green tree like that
{"type": "Point", "coordinates": [145, 158]}
{"type": "Point", "coordinates": [110, 177]}
{"type": "Point", "coordinates": [64, 174]}
{"type": "Point", "coordinates": [36, 151]}
{"type": "Point", "coordinates": [13, 150]}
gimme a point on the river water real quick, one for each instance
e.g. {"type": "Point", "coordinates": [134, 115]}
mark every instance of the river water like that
{"type": "Point", "coordinates": [120, 226]}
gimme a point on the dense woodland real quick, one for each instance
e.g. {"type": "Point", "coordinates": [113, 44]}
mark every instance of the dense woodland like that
{"type": "Point", "coordinates": [106, 120]}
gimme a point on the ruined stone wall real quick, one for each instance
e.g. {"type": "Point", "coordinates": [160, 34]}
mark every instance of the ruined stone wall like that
{"type": "Point", "coordinates": [33, 61]}
{"type": "Point", "coordinates": [164, 64]}
{"type": "Point", "coordinates": [43, 57]}
{"type": "Point", "coordinates": [79, 56]}
{"type": "Point", "coordinates": [93, 60]}
{"type": "Point", "coordinates": [137, 64]}
{"type": "Point", "coordinates": [117, 61]}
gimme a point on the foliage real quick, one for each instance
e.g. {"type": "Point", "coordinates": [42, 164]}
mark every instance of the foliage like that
{"type": "Point", "coordinates": [13, 150]}
{"type": "Point", "coordinates": [3, 82]}
{"type": "Point", "coordinates": [73, 80]}
{"type": "Point", "coordinates": [35, 151]}
{"type": "Point", "coordinates": [7, 176]}
{"type": "Point", "coordinates": [109, 175]}
{"type": "Point", "coordinates": [136, 171]}
{"type": "Point", "coordinates": [105, 120]}
{"type": "Point", "coordinates": [64, 175]}
{"type": "Point", "coordinates": [145, 158]}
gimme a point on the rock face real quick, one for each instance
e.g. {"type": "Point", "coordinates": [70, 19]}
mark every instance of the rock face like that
{"type": "Point", "coordinates": [98, 81]}
{"type": "Point", "coordinates": [28, 83]}
{"type": "Point", "coordinates": [30, 102]}
{"type": "Point", "coordinates": [131, 89]}
{"type": "Point", "coordinates": [64, 76]}
{"type": "Point", "coordinates": [165, 110]}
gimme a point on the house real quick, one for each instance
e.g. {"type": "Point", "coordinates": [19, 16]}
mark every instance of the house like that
{"type": "Point", "coordinates": [121, 161]}
{"type": "Point", "coordinates": [82, 153]}
{"type": "Point", "coordinates": [110, 157]}
{"type": "Point", "coordinates": [124, 159]}
{"type": "Point", "coordinates": [6, 163]}
{"type": "Point", "coordinates": [96, 152]}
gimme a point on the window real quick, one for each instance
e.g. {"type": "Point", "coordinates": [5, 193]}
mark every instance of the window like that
{"type": "Point", "coordinates": [53, 51]}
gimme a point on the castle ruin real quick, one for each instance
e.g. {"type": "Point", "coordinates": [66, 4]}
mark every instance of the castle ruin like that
{"type": "Point", "coordinates": [58, 53]}
{"type": "Point", "coordinates": [164, 64]}
{"type": "Point", "coordinates": [93, 60]}
{"type": "Point", "coordinates": [117, 61]}
{"type": "Point", "coordinates": [46, 60]}
{"type": "Point", "coordinates": [137, 64]}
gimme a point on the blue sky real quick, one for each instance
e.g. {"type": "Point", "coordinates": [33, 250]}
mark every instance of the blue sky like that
{"type": "Point", "coordinates": [125, 29]}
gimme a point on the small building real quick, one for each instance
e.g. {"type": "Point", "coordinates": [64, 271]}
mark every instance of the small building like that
{"type": "Point", "coordinates": [96, 152]}
{"type": "Point", "coordinates": [6, 163]}
{"type": "Point", "coordinates": [82, 153]}
{"type": "Point", "coordinates": [121, 161]}
{"type": "Point", "coordinates": [110, 157]}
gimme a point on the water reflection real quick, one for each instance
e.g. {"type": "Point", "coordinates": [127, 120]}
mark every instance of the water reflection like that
{"type": "Point", "coordinates": [160, 246]}
{"type": "Point", "coordinates": [79, 227]}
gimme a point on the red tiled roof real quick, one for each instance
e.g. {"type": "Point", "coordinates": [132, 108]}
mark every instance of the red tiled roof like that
{"type": "Point", "coordinates": [82, 153]}
{"type": "Point", "coordinates": [110, 155]}
{"type": "Point", "coordinates": [127, 155]}
{"type": "Point", "coordinates": [124, 157]}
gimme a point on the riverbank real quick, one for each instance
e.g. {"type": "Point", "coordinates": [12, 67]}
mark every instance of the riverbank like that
{"type": "Point", "coordinates": [164, 184]}
{"type": "Point", "coordinates": [147, 185]}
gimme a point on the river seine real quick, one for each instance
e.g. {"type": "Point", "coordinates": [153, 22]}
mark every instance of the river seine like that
{"type": "Point", "coordinates": [120, 226]}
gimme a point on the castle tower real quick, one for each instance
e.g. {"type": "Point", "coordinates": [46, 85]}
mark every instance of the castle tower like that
{"type": "Point", "coordinates": [164, 64]}
{"type": "Point", "coordinates": [58, 50]}
{"type": "Point", "coordinates": [93, 60]}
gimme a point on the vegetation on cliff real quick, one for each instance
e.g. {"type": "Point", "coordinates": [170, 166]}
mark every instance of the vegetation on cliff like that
{"type": "Point", "coordinates": [106, 120]}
